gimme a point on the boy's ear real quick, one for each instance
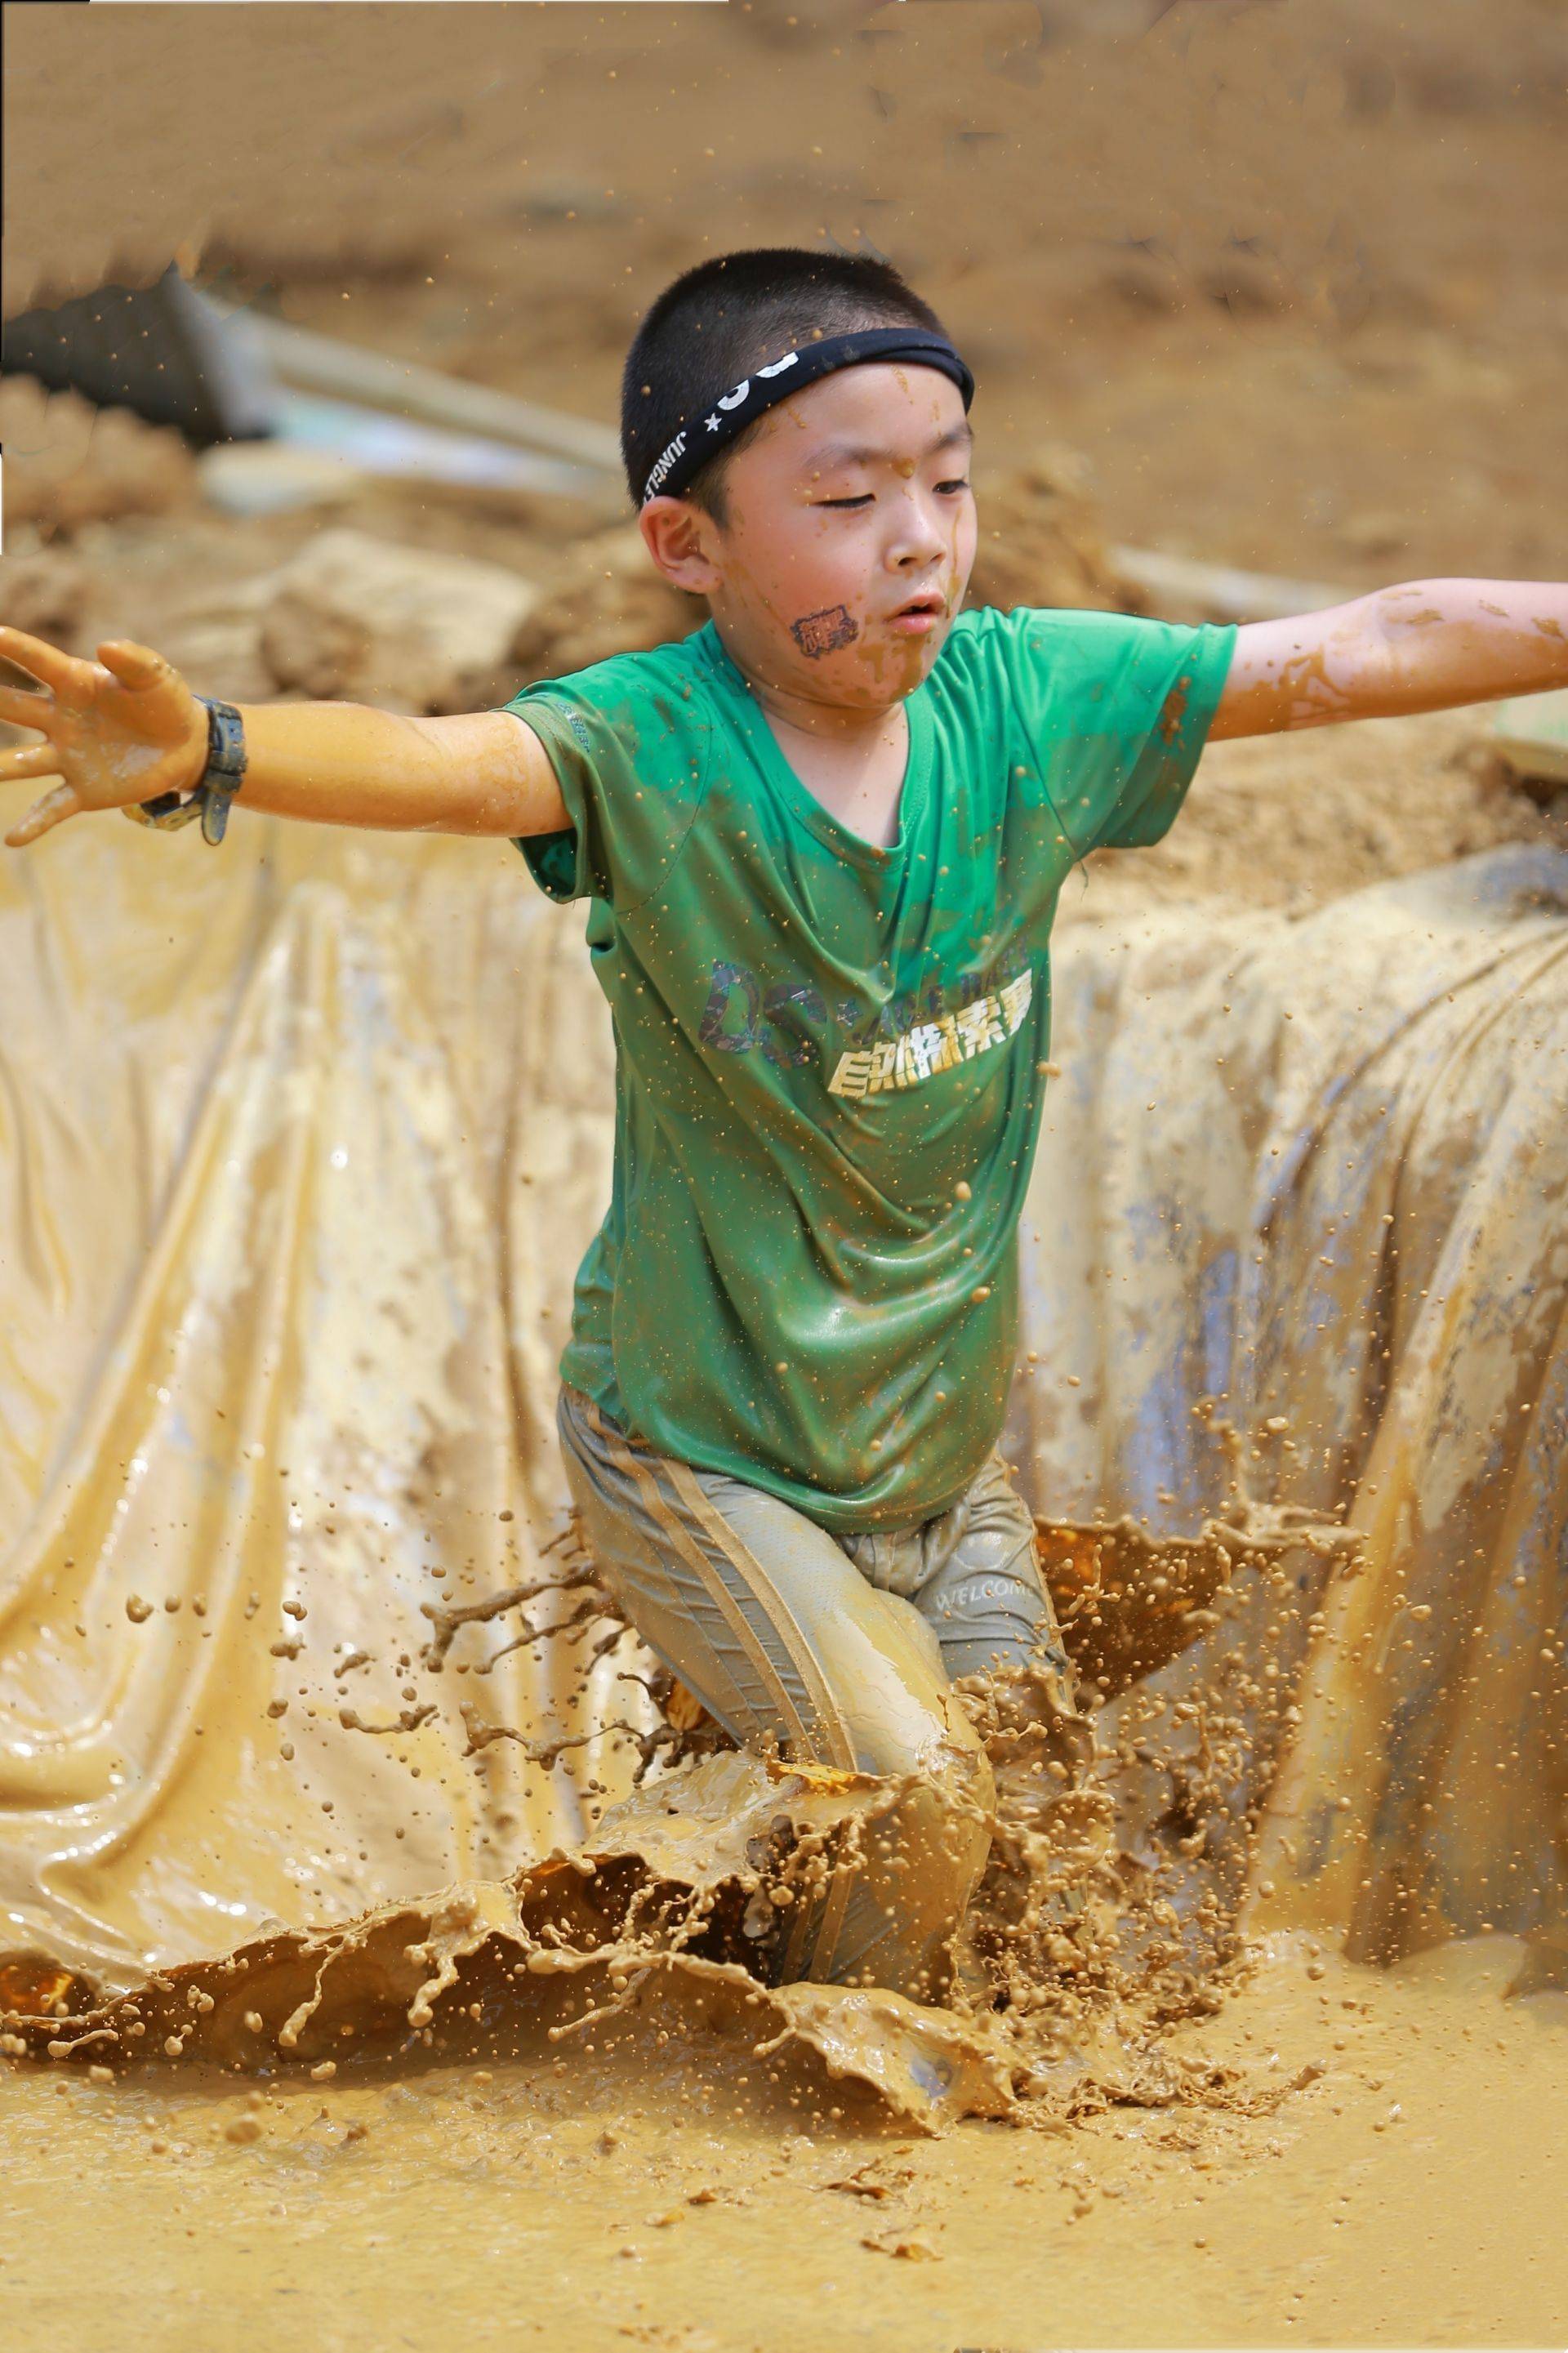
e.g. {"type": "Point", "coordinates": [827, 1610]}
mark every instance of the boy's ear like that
{"type": "Point", "coordinates": [678, 537]}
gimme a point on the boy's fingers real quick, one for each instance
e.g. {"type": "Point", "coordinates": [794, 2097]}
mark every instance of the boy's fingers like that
{"type": "Point", "coordinates": [44, 662]}
{"type": "Point", "coordinates": [134, 665]}
{"type": "Point", "coordinates": [25, 710]}
{"type": "Point", "coordinates": [52, 810]}
{"type": "Point", "coordinates": [29, 759]}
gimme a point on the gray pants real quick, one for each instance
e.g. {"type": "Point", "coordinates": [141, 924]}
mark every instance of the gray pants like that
{"type": "Point", "coordinates": [841, 1650]}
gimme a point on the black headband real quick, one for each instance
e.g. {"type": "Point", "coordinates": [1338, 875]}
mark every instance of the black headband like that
{"type": "Point", "coordinates": [721, 419]}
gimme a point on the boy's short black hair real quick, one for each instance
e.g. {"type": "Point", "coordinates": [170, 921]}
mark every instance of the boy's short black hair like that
{"type": "Point", "coordinates": [725, 317]}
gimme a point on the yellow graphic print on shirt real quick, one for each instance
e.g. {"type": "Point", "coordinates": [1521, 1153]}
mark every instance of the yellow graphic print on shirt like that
{"type": "Point", "coordinates": [934, 1046]}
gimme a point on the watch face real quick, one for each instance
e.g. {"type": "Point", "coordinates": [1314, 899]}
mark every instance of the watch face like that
{"type": "Point", "coordinates": [167, 812]}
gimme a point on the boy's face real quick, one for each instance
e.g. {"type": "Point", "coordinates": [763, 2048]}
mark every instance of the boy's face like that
{"type": "Point", "coordinates": [853, 500]}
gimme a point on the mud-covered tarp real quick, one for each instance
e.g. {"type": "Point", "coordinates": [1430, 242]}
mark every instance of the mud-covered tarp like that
{"type": "Point", "coordinates": [1300, 1220]}
{"type": "Point", "coordinates": [298, 1148]}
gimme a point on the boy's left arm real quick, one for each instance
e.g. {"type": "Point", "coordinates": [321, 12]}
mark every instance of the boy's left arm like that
{"type": "Point", "coordinates": [1424, 646]}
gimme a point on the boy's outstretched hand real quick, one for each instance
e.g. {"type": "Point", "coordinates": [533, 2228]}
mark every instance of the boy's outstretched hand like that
{"type": "Point", "coordinates": [127, 728]}
{"type": "Point", "coordinates": [117, 730]}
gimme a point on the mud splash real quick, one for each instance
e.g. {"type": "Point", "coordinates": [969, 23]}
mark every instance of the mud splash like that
{"type": "Point", "coordinates": [1107, 1913]}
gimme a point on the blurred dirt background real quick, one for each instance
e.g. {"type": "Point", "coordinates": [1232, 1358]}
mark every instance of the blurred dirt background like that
{"type": "Point", "coordinates": [1279, 285]}
{"type": "Point", "coordinates": [1291, 276]}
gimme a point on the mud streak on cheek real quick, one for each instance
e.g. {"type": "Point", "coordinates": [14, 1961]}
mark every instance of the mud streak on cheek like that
{"type": "Point", "coordinates": [824, 633]}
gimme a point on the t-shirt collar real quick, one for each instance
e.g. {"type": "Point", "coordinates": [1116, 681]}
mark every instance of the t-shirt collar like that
{"type": "Point", "coordinates": [840, 839]}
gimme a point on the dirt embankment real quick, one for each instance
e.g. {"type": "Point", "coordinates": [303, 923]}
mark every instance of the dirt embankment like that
{"type": "Point", "coordinates": [1292, 278]}
{"type": "Point", "coordinates": [1286, 288]}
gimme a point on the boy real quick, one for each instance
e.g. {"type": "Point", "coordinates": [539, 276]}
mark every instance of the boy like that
{"type": "Point", "coordinates": [822, 840]}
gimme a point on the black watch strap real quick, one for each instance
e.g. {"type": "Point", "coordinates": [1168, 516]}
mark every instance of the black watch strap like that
{"type": "Point", "coordinates": [213, 796]}
{"type": "Point", "coordinates": [225, 768]}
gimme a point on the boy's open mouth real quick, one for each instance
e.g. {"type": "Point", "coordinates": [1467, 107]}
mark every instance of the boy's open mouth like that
{"type": "Point", "coordinates": [921, 613]}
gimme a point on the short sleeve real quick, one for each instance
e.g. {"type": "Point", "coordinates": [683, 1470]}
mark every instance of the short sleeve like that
{"type": "Point", "coordinates": [1117, 711]}
{"type": "Point", "coordinates": [629, 741]}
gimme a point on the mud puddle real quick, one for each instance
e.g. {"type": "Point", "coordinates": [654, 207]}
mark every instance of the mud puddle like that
{"type": "Point", "coordinates": [568, 2108]}
{"type": "Point", "coordinates": [650, 2196]}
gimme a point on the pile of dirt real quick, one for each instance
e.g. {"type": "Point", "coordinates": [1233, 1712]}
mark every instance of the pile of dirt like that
{"type": "Point", "coordinates": [407, 628]}
{"type": "Point", "coordinates": [1291, 822]}
{"type": "Point", "coordinates": [68, 463]}
{"type": "Point", "coordinates": [1318, 355]}
{"type": "Point", "coordinates": [44, 591]}
{"type": "Point", "coordinates": [1042, 538]}
{"type": "Point", "coordinates": [605, 597]}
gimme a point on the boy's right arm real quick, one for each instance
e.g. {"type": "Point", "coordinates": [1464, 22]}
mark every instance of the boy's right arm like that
{"type": "Point", "coordinates": [127, 728]}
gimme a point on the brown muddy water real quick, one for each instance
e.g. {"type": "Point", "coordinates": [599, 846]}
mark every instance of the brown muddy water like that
{"type": "Point", "coordinates": [565, 2109]}
{"type": "Point", "coordinates": [1410, 2192]}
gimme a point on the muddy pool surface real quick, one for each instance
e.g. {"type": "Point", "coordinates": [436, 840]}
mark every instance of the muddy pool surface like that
{"type": "Point", "coordinates": [1410, 2193]}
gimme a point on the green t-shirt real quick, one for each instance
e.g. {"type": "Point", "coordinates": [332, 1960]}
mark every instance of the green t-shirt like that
{"type": "Point", "coordinates": [819, 1042]}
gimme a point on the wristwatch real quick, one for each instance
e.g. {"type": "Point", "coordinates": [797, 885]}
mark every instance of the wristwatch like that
{"type": "Point", "coordinates": [212, 797]}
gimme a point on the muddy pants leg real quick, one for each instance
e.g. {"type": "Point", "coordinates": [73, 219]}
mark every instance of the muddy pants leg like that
{"type": "Point", "coordinates": [763, 1616]}
{"type": "Point", "coordinates": [979, 1587]}
{"type": "Point", "coordinates": [977, 1583]}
